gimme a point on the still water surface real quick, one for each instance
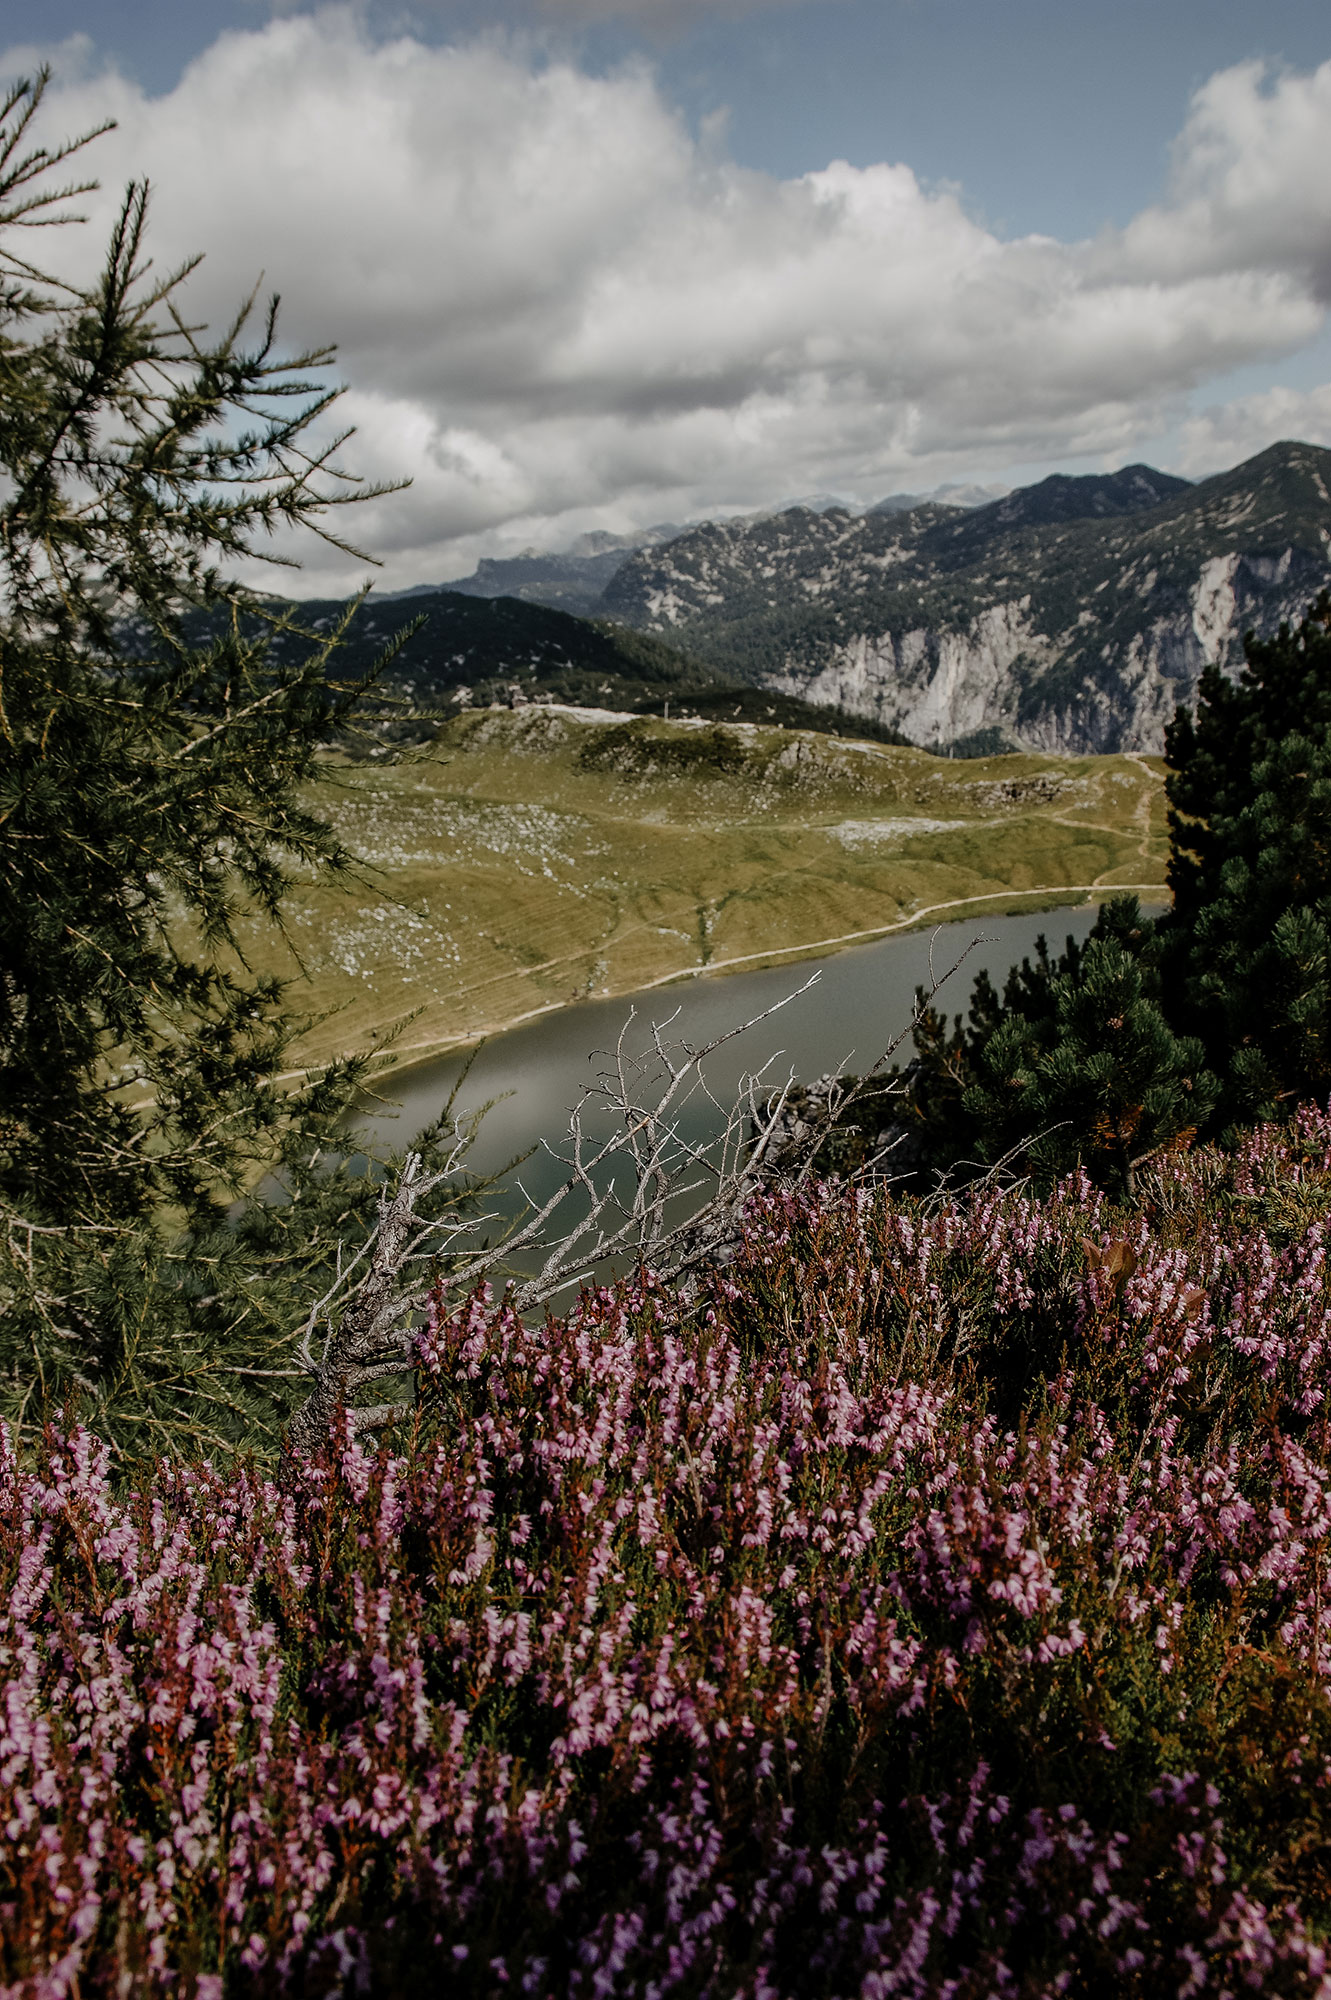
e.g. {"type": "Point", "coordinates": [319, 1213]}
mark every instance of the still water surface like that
{"type": "Point", "coordinates": [862, 1000]}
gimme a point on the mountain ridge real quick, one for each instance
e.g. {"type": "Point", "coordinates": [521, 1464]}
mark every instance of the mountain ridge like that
{"type": "Point", "coordinates": [1018, 622]}
{"type": "Point", "coordinates": [573, 579]}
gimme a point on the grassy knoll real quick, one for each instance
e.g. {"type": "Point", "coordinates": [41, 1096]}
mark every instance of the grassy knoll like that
{"type": "Point", "coordinates": [532, 857]}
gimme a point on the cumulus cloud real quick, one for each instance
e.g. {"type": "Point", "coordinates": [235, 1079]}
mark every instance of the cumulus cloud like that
{"type": "Point", "coordinates": [1228, 433]}
{"type": "Point", "coordinates": [1250, 188]}
{"type": "Point", "coordinates": [558, 310]}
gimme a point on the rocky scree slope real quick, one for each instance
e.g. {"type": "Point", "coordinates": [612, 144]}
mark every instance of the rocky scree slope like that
{"type": "Point", "coordinates": [1069, 616]}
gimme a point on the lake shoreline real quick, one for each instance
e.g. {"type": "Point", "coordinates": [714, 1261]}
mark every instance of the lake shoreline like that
{"type": "Point", "coordinates": [401, 1064]}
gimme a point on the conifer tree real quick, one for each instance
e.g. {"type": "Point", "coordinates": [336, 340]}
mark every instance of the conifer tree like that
{"type": "Point", "coordinates": [150, 794]}
{"type": "Point", "coordinates": [1101, 1080]}
{"type": "Point", "coordinates": [1250, 867]}
{"type": "Point", "coordinates": [1075, 1064]}
{"type": "Point", "coordinates": [1216, 1014]}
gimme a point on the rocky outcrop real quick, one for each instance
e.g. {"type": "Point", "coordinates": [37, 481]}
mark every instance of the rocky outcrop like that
{"type": "Point", "coordinates": [941, 686]}
{"type": "Point", "coordinates": [933, 686]}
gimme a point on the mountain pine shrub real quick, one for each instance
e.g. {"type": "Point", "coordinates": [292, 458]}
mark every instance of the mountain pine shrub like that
{"type": "Point", "coordinates": [1075, 1063]}
{"type": "Point", "coordinates": [1250, 867]}
{"type": "Point", "coordinates": [1203, 1020]}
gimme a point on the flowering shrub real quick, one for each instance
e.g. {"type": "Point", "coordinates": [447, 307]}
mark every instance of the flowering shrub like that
{"type": "Point", "coordinates": [940, 1605]}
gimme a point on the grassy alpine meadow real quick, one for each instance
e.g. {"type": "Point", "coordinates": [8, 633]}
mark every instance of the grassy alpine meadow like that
{"type": "Point", "coordinates": [532, 857]}
{"type": "Point", "coordinates": [937, 1604]}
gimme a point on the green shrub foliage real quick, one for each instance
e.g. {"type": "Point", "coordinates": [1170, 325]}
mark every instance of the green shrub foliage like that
{"type": "Point", "coordinates": [1198, 1021]}
{"type": "Point", "coordinates": [1250, 828]}
{"type": "Point", "coordinates": [1075, 1063]}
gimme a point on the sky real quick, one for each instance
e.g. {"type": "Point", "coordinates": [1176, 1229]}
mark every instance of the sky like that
{"type": "Point", "coordinates": [599, 264]}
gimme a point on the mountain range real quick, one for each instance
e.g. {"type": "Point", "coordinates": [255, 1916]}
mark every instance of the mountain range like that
{"type": "Point", "coordinates": [571, 579]}
{"type": "Point", "coordinates": [1069, 615]}
{"type": "Point", "coordinates": [574, 579]}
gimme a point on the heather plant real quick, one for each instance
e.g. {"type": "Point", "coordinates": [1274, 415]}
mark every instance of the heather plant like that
{"type": "Point", "coordinates": [935, 1602]}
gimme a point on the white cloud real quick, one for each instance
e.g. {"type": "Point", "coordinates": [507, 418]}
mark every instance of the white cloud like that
{"type": "Point", "coordinates": [1250, 190]}
{"type": "Point", "coordinates": [558, 310]}
{"type": "Point", "coordinates": [1228, 433]}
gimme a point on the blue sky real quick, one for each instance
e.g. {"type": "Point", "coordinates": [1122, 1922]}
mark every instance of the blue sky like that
{"type": "Point", "coordinates": [595, 263]}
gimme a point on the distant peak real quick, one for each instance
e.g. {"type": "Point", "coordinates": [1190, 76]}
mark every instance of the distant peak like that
{"type": "Point", "coordinates": [951, 495]}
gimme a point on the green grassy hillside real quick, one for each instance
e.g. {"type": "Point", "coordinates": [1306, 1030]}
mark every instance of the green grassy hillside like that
{"type": "Point", "coordinates": [529, 858]}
